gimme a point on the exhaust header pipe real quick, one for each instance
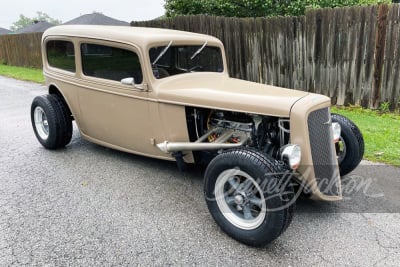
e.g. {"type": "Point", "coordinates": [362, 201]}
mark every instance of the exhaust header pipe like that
{"type": "Point", "coordinates": [219, 143]}
{"type": "Point", "coordinates": [168, 147]}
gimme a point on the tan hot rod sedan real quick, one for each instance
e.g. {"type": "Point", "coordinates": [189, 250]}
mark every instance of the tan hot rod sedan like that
{"type": "Point", "coordinates": [167, 94]}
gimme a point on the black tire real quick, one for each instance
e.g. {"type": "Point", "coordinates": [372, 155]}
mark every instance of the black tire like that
{"type": "Point", "coordinates": [66, 120]}
{"type": "Point", "coordinates": [268, 174]}
{"type": "Point", "coordinates": [56, 131]}
{"type": "Point", "coordinates": [351, 151]}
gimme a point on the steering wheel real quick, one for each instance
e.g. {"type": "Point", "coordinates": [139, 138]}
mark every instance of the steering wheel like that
{"type": "Point", "coordinates": [195, 68]}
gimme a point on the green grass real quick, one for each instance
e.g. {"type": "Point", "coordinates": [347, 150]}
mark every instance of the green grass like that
{"type": "Point", "coordinates": [381, 133]}
{"type": "Point", "coordinates": [26, 74]}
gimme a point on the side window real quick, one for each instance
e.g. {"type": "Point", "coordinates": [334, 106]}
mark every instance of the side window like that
{"type": "Point", "coordinates": [110, 63]}
{"type": "Point", "coordinates": [61, 54]}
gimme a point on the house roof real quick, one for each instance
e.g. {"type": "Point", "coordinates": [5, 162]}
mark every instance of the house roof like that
{"type": "Point", "coordinates": [96, 19]}
{"type": "Point", "coordinates": [40, 26]}
{"type": "Point", "coordinates": [4, 31]}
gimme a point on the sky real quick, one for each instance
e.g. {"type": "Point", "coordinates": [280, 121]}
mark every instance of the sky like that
{"type": "Point", "coordinates": [126, 10]}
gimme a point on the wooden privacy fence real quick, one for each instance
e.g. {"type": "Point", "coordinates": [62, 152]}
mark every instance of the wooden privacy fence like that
{"type": "Point", "coordinates": [350, 54]}
{"type": "Point", "coordinates": [21, 49]}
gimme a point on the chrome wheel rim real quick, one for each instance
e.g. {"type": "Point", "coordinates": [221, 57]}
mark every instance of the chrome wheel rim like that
{"type": "Point", "coordinates": [341, 150]}
{"type": "Point", "coordinates": [240, 199]}
{"type": "Point", "coordinates": [41, 123]}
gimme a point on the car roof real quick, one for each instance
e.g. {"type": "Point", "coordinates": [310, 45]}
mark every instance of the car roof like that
{"type": "Point", "coordinates": [137, 35]}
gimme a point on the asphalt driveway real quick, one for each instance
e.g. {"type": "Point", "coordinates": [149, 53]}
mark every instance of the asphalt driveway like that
{"type": "Point", "coordinates": [87, 205]}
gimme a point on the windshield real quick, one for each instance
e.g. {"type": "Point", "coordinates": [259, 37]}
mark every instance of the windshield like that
{"type": "Point", "coordinates": [176, 59]}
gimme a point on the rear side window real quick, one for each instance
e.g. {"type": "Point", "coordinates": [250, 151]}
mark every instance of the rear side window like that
{"type": "Point", "coordinates": [61, 54]}
{"type": "Point", "coordinates": [110, 63]}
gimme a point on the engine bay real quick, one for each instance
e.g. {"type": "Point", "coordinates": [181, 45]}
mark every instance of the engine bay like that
{"type": "Point", "coordinates": [264, 133]}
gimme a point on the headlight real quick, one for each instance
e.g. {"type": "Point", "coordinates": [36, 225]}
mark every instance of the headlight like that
{"type": "Point", "coordinates": [291, 154]}
{"type": "Point", "coordinates": [336, 131]}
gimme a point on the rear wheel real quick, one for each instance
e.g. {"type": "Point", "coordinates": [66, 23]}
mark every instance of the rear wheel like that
{"type": "Point", "coordinates": [66, 120]}
{"type": "Point", "coordinates": [350, 148]}
{"type": "Point", "coordinates": [248, 196]}
{"type": "Point", "coordinates": [51, 122]}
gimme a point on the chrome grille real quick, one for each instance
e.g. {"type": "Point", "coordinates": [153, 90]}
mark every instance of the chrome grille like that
{"type": "Point", "coordinates": [323, 152]}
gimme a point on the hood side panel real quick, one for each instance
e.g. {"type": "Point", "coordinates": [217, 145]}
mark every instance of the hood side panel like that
{"type": "Point", "coordinates": [219, 91]}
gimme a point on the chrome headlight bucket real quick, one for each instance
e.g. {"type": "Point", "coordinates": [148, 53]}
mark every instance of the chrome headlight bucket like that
{"type": "Point", "coordinates": [336, 131]}
{"type": "Point", "coordinates": [291, 155]}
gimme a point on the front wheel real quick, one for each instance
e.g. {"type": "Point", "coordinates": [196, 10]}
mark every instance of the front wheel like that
{"type": "Point", "coordinates": [350, 148]}
{"type": "Point", "coordinates": [248, 197]}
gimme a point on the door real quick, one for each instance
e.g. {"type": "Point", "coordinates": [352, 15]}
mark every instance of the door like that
{"type": "Point", "coordinates": [113, 114]}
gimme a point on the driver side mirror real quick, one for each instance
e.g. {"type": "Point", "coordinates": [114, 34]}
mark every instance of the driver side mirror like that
{"type": "Point", "coordinates": [131, 81]}
{"type": "Point", "coordinates": [128, 81]}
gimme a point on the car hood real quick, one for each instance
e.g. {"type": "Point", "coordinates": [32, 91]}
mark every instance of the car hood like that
{"type": "Point", "coordinates": [219, 91]}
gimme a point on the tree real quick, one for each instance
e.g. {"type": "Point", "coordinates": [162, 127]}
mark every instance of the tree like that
{"type": "Point", "coordinates": [25, 21]}
{"type": "Point", "coordinates": [255, 8]}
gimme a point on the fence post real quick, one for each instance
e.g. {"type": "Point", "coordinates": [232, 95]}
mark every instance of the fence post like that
{"type": "Point", "coordinates": [380, 37]}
